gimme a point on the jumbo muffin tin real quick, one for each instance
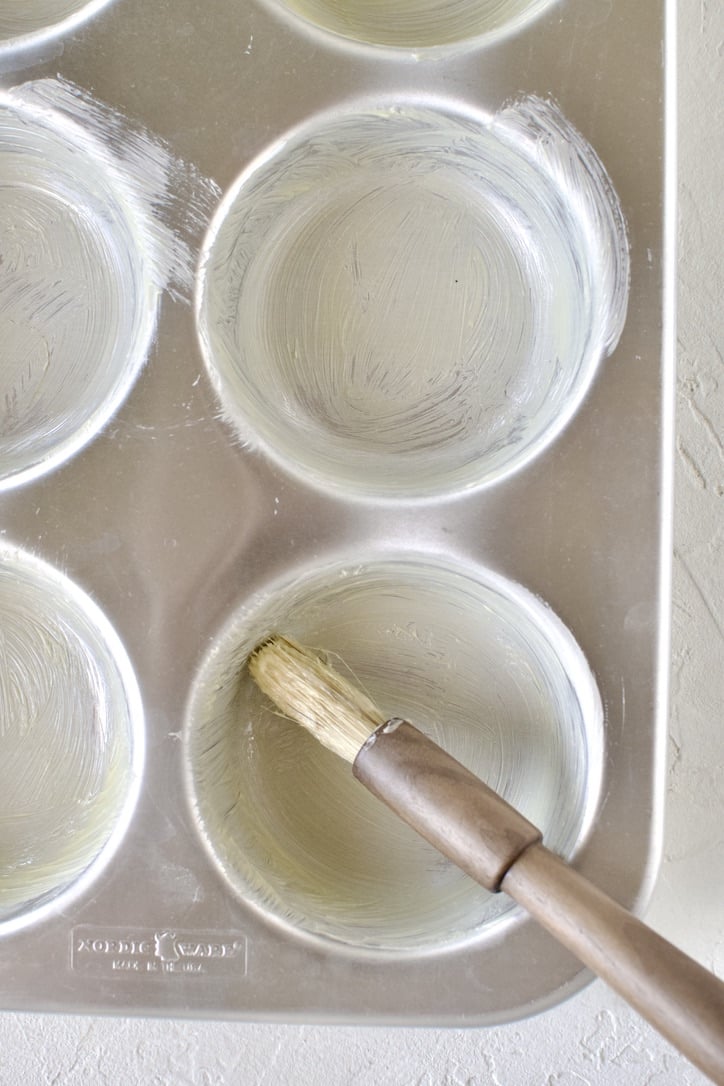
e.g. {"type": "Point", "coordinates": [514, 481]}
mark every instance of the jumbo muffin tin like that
{"type": "Point", "coordinates": [358, 327]}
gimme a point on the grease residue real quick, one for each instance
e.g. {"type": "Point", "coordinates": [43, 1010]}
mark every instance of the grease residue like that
{"type": "Point", "coordinates": [417, 24]}
{"type": "Point", "coordinates": [473, 660]}
{"type": "Point", "coordinates": [70, 735]}
{"type": "Point", "coordinates": [86, 247]}
{"type": "Point", "coordinates": [405, 302]}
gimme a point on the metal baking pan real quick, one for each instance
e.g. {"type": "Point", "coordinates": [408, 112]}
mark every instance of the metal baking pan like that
{"type": "Point", "coordinates": [371, 341]}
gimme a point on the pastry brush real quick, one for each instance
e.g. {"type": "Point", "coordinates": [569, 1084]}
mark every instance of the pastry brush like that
{"type": "Point", "coordinates": [499, 848]}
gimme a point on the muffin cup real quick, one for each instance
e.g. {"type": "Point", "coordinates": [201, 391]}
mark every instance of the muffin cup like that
{"type": "Point", "coordinates": [416, 26]}
{"type": "Point", "coordinates": [401, 303]}
{"type": "Point", "coordinates": [71, 740]}
{"type": "Point", "coordinates": [78, 296]}
{"type": "Point", "coordinates": [473, 660]}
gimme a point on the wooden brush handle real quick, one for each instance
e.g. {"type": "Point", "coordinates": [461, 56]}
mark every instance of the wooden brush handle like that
{"type": "Point", "coordinates": [500, 849]}
{"type": "Point", "coordinates": [680, 998]}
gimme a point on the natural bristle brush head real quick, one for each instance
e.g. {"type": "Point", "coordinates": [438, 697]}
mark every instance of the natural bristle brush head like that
{"type": "Point", "coordinates": [305, 688]}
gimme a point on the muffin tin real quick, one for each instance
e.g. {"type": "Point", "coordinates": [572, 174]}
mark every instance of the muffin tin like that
{"type": "Point", "coordinates": [406, 396]}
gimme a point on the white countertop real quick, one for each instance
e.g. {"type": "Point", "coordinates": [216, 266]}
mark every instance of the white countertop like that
{"type": "Point", "coordinates": [594, 1038]}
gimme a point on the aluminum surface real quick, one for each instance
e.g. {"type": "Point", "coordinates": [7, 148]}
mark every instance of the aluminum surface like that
{"type": "Point", "coordinates": [169, 525]}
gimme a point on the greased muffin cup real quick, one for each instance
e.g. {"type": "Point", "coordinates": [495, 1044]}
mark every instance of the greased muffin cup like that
{"type": "Point", "coordinates": [477, 662]}
{"type": "Point", "coordinates": [417, 26]}
{"type": "Point", "coordinates": [78, 302]}
{"type": "Point", "coordinates": [366, 365]}
{"type": "Point", "coordinates": [72, 740]}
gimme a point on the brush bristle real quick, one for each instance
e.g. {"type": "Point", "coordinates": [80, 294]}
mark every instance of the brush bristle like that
{"type": "Point", "coordinates": [306, 689]}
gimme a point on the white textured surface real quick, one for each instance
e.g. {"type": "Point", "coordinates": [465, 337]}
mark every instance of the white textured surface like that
{"type": "Point", "coordinates": [593, 1039]}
